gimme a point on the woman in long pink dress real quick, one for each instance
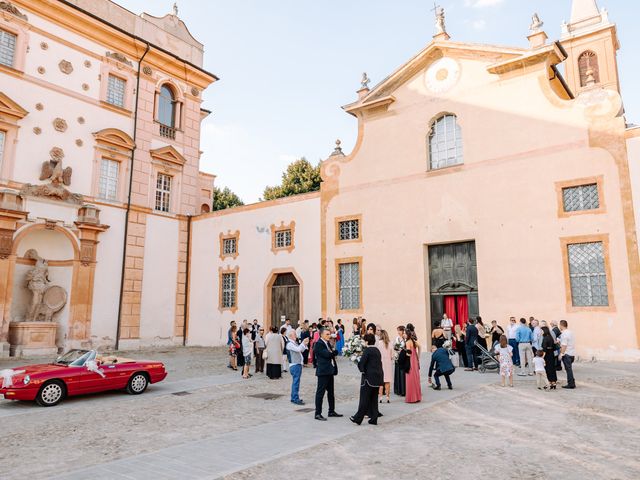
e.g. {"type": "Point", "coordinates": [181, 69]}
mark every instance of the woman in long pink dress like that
{"type": "Point", "coordinates": [414, 390]}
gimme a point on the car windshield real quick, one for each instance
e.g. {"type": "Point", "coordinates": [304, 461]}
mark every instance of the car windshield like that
{"type": "Point", "coordinates": [75, 358]}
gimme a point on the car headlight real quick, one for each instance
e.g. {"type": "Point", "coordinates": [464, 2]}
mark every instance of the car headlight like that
{"type": "Point", "coordinates": [26, 380]}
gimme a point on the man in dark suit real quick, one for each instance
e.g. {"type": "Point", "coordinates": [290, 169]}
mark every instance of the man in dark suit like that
{"type": "Point", "coordinates": [324, 359]}
{"type": "Point", "coordinates": [441, 363]}
{"type": "Point", "coordinates": [470, 344]}
{"type": "Point", "coordinates": [370, 365]}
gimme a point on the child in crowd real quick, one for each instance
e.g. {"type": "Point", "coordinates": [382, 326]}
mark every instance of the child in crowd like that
{"type": "Point", "coordinates": [505, 357]}
{"type": "Point", "coordinates": [541, 374]}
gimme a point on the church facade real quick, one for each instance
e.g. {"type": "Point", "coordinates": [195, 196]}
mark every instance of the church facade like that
{"type": "Point", "coordinates": [485, 180]}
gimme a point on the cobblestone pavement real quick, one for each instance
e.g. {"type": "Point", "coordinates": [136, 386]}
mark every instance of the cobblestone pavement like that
{"type": "Point", "coordinates": [219, 430]}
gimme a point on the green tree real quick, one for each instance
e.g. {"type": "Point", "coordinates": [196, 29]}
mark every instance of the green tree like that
{"type": "Point", "coordinates": [225, 198]}
{"type": "Point", "coordinates": [299, 177]}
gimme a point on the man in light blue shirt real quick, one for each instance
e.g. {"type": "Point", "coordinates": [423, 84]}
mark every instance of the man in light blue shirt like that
{"type": "Point", "coordinates": [295, 364]}
{"type": "Point", "coordinates": [524, 337]}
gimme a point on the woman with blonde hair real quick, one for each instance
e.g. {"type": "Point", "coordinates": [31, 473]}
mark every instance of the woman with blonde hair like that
{"type": "Point", "coordinates": [386, 352]}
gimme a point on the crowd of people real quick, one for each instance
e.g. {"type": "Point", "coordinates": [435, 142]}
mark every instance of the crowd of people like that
{"type": "Point", "coordinates": [534, 347]}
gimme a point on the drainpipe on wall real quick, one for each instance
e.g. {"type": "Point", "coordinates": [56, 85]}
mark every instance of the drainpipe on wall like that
{"type": "Point", "coordinates": [128, 210]}
{"type": "Point", "coordinates": [185, 329]}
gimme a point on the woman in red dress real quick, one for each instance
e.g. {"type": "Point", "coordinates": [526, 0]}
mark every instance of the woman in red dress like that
{"type": "Point", "coordinates": [414, 390]}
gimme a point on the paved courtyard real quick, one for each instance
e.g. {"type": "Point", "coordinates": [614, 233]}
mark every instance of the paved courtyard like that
{"type": "Point", "coordinates": [217, 429]}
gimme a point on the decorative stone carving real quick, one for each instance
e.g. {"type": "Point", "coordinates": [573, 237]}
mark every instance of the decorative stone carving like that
{"type": "Point", "coordinates": [81, 120]}
{"type": "Point", "coordinates": [85, 86]}
{"type": "Point", "coordinates": [440, 21]}
{"type": "Point", "coordinates": [87, 63]}
{"type": "Point", "coordinates": [147, 70]}
{"type": "Point", "coordinates": [338, 149]}
{"type": "Point", "coordinates": [365, 80]}
{"type": "Point", "coordinates": [119, 58]}
{"type": "Point", "coordinates": [79, 142]}
{"type": "Point", "coordinates": [46, 299]}
{"type": "Point", "coordinates": [37, 130]}
{"type": "Point", "coordinates": [58, 178]}
{"type": "Point", "coordinates": [6, 243]}
{"type": "Point", "coordinates": [60, 124]}
{"type": "Point", "coordinates": [39, 107]}
{"type": "Point", "coordinates": [195, 92]}
{"type": "Point", "coordinates": [41, 70]}
{"type": "Point", "coordinates": [44, 45]}
{"type": "Point", "coordinates": [10, 8]}
{"type": "Point", "coordinates": [65, 67]}
{"type": "Point", "coordinates": [536, 24]}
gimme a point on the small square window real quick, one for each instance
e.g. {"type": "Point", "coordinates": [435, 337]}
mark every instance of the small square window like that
{"type": "Point", "coordinates": [116, 87]}
{"type": "Point", "coordinates": [283, 238]}
{"type": "Point", "coordinates": [349, 230]}
{"type": "Point", "coordinates": [229, 246]}
{"type": "Point", "coordinates": [581, 197]}
{"type": "Point", "coordinates": [8, 42]}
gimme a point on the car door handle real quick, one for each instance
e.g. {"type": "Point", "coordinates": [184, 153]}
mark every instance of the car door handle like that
{"type": "Point", "coordinates": [112, 366]}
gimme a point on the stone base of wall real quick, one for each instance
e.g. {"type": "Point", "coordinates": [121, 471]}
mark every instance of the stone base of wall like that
{"type": "Point", "coordinates": [33, 338]}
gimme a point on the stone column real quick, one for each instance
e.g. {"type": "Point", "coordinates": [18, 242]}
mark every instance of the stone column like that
{"type": "Point", "coordinates": [89, 228]}
{"type": "Point", "coordinates": [11, 213]}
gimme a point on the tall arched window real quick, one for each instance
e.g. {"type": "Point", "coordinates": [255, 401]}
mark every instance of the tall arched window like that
{"type": "Point", "coordinates": [588, 68]}
{"type": "Point", "coordinates": [167, 107]}
{"type": "Point", "coordinates": [445, 143]}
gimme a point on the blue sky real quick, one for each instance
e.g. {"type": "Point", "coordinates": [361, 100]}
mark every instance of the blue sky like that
{"type": "Point", "coordinates": [286, 67]}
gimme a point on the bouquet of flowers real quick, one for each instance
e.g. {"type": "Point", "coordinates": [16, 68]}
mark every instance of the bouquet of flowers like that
{"type": "Point", "coordinates": [353, 348]}
{"type": "Point", "coordinates": [398, 345]}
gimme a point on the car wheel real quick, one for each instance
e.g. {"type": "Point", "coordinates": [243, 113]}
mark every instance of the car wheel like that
{"type": "Point", "coordinates": [137, 384]}
{"type": "Point", "coordinates": [51, 393]}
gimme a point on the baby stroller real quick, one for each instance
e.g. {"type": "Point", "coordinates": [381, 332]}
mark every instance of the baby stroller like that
{"type": "Point", "coordinates": [488, 360]}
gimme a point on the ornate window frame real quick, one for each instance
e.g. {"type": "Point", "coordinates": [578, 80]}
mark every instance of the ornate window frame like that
{"type": "Point", "coordinates": [18, 25]}
{"type": "Point", "coordinates": [347, 218]}
{"type": "Point", "coordinates": [112, 144]}
{"type": "Point", "coordinates": [235, 270]}
{"type": "Point", "coordinates": [281, 228]}
{"type": "Point", "coordinates": [228, 236]}
{"type": "Point", "coordinates": [10, 114]}
{"type": "Point", "coordinates": [432, 123]}
{"type": "Point", "coordinates": [169, 161]}
{"type": "Point", "coordinates": [560, 186]}
{"type": "Point", "coordinates": [338, 262]}
{"type": "Point", "coordinates": [112, 67]}
{"type": "Point", "coordinates": [179, 112]}
{"type": "Point", "coordinates": [564, 244]}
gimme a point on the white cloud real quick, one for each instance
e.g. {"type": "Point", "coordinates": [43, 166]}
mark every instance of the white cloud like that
{"type": "Point", "coordinates": [482, 3]}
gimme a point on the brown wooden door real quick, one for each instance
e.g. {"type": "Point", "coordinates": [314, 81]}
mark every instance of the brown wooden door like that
{"type": "Point", "coordinates": [285, 299]}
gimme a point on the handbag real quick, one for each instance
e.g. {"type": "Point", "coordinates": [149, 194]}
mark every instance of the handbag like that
{"type": "Point", "coordinates": [265, 355]}
{"type": "Point", "coordinates": [404, 361]}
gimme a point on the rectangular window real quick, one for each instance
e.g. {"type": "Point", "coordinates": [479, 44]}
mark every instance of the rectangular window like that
{"type": "Point", "coordinates": [587, 274]}
{"type": "Point", "coordinates": [2, 137]}
{"type": "Point", "coordinates": [283, 238]}
{"type": "Point", "coordinates": [229, 246]}
{"type": "Point", "coordinates": [7, 48]}
{"type": "Point", "coordinates": [349, 284]}
{"type": "Point", "coordinates": [163, 192]}
{"type": "Point", "coordinates": [116, 87]}
{"type": "Point", "coordinates": [581, 197]}
{"type": "Point", "coordinates": [228, 290]}
{"type": "Point", "coordinates": [349, 229]}
{"type": "Point", "coordinates": [109, 173]}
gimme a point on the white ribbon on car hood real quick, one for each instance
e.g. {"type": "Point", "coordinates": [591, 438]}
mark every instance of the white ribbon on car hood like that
{"type": "Point", "coordinates": [7, 376]}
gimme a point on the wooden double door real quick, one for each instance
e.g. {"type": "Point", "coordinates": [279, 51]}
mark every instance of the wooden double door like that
{"type": "Point", "coordinates": [285, 299]}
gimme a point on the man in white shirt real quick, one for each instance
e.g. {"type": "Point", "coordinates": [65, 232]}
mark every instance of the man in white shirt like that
{"type": "Point", "coordinates": [511, 338]}
{"type": "Point", "coordinates": [295, 364]}
{"type": "Point", "coordinates": [567, 353]}
{"type": "Point", "coordinates": [446, 324]}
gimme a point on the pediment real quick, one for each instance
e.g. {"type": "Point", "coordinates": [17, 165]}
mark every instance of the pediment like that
{"type": "Point", "coordinates": [11, 108]}
{"type": "Point", "coordinates": [114, 137]}
{"type": "Point", "coordinates": [382, 94]}
{"type": "Point", "coordinates": [168, 154]}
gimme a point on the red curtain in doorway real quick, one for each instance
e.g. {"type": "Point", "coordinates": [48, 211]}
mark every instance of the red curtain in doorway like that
{"type": "Point", "coordinates": [462, 302]}
{"type": "Point", "coordinates": [450, 307]}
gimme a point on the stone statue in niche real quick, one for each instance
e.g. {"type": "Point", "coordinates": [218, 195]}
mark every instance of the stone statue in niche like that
{"type": "Point", "coordinates": [58, 178]}
{"type": "Point", "coordinates": [46, 299]}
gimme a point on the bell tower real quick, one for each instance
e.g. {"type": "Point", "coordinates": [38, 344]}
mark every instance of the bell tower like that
{"type": "Point", "coordinates": [591, 42]}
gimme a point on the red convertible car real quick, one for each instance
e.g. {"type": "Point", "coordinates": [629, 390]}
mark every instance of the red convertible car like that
{"type": "Point", "coordinates": [78, 372]}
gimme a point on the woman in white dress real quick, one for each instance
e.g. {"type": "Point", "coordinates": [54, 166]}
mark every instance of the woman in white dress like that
{"type": "Point", "coordinates": [386, 352]}
{"type": "Point", "coordinates": [274, 348]}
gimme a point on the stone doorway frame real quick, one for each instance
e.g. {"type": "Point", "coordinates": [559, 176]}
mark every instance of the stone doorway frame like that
{"type": "Point", "coordinates": [271, 278]}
